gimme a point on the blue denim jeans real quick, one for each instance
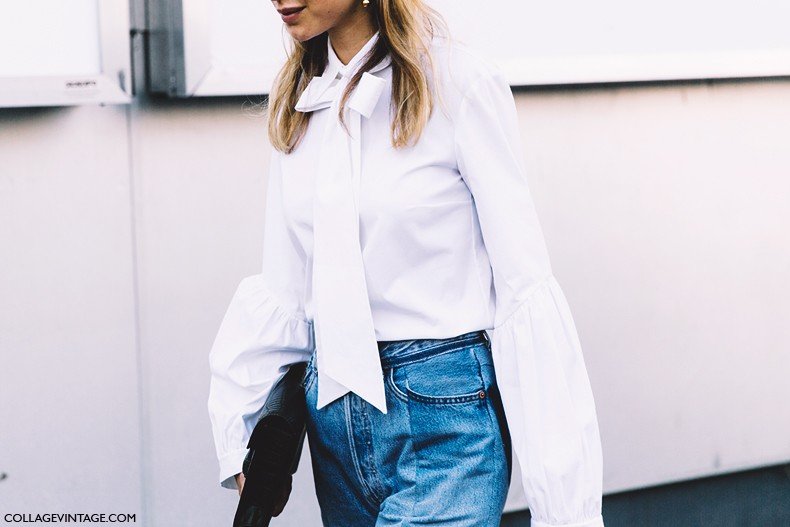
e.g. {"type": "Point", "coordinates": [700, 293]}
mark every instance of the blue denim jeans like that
{"type": "Point", "coordinates": [441, 454]}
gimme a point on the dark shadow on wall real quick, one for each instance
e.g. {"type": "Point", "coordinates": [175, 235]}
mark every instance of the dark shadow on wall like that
{"type": "Point", "coordinates": [751, 498]}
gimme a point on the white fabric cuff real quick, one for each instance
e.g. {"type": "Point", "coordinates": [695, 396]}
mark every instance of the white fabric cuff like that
{"type": "Point", "coordinates": [593, 522]}
{"type": "Point", "coordinates": [229, 466]}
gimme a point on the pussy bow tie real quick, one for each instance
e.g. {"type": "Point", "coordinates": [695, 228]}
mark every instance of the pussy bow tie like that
{"type": "Point", "coordinates": [347, 353]}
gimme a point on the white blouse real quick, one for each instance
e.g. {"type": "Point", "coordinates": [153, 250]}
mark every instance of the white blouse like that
{"type": "Point", "coordinates": [447, 242]}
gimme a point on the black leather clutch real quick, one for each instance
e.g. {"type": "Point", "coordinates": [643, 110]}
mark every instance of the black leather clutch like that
{"type": "Point", "coordinates": [275, 447]}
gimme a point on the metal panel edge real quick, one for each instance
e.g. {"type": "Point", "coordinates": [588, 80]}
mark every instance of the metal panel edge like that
{"type": "Point", "coordinates": [166, 47]}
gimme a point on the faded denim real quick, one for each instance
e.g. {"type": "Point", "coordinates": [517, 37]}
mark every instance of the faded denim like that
{"type": "Point", "coordinates": [441, 456]}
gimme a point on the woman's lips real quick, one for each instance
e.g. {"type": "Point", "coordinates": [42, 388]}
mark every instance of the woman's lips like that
{"type": "Point", "coordinates": [290, 14]}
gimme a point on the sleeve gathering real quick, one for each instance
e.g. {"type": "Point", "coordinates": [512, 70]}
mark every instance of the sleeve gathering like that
{"type": "Point", "coordinates": [538, 359]}
{"type": "Point", "coordinates": [262, 332]}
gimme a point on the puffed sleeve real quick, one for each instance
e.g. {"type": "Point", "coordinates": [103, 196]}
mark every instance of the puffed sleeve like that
{"type": "Point", "coordinates": [537, 355]}
{"type": "Point", "coordinates": [262, 332]}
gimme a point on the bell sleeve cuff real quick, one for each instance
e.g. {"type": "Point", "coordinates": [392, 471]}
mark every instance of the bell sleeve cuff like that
{"type": "Point", "coordinates": [256, 343]}
{"type": "Point", "coordinates": [550, 409]}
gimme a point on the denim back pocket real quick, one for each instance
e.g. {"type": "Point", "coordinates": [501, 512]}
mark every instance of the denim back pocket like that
{"type": "Point", "coordinates": [452, 377]}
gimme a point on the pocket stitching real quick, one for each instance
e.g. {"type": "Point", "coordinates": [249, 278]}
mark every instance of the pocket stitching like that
{"type": "Point", "coordinates": [410, 394]}
{"type": "Point", "coordinates": [445, 399]}
{"type": "Point", "coordinates": [391, 381]}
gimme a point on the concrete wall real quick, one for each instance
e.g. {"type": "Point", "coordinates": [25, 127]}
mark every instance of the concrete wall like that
{"type": "Point", "coordinates": [125, 230]}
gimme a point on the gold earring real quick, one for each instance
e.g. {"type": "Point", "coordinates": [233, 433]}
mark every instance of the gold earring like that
{"type": "Point", "coordinates": [365, 3]}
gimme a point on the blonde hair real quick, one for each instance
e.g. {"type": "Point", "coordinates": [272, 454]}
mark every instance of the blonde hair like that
{"type": "Point", "coordinates": [406, 29]}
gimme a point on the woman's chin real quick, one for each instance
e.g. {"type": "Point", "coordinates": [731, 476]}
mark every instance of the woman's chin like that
{"type": "Point", "coordinates": [300, 33]}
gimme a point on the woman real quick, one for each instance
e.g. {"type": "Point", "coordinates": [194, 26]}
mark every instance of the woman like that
{"type": "Point", "coordinates": [404, 260]}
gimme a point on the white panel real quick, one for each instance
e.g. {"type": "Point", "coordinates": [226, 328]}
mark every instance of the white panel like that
{"type": "Point", "coordinates": [49, 37]}
{"type": "Point", "coordinates": [577, 41]}
{"type": "Point", "coordinates": [248, 44]}
{"type": "Point", "coordinates": [55, 53]}
{"type": "Point", "coordinates": [574, 28]}
{"type": "Point", "coordinates": [69, 422]}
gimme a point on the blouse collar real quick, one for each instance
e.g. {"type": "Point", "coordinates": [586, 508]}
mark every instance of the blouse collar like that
{"type": "Point", "coordinates": [335, 66]}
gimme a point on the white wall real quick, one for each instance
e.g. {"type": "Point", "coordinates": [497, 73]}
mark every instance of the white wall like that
{"type": "Point", "coordinates": [69, 421]}
{"type": "Point", "coordinates": [125, 230]}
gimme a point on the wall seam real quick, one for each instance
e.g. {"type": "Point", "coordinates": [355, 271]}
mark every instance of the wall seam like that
{"type": "Point", "coordinates": [139, 12]}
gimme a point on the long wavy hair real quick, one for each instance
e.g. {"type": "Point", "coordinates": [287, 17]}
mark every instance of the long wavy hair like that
{"type": "Point", "coordinates": [406, 28]}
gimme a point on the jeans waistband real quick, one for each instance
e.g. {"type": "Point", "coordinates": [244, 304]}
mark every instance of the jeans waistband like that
{"type": "Point", "coordinates": [395, 353]}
